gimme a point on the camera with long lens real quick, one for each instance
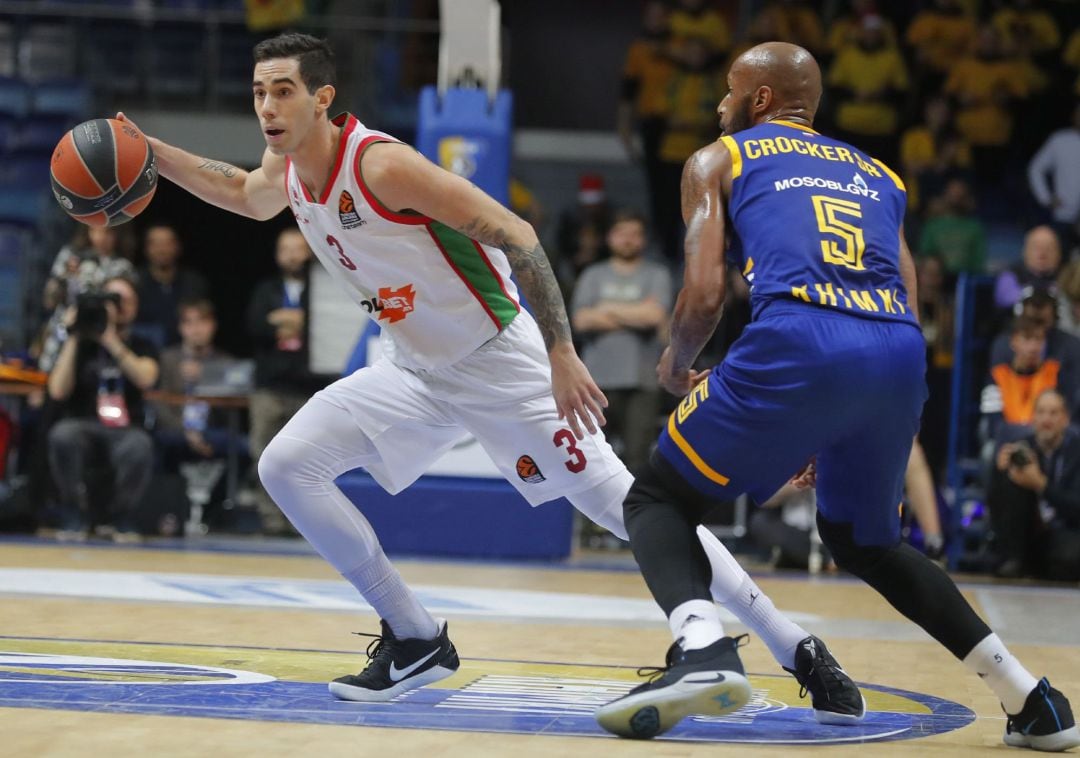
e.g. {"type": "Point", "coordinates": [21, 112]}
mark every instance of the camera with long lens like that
{"type": "Point", "coordinates": [91, 316]}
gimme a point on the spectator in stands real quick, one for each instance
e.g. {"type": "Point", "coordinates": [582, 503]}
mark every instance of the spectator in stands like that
{"type": "Point", "coordinates": [695, 91]}
{"type": "Point", "coordinates": [935, 293]}
{"type": "Point", "coordinates": [620, 309]}
{"type": "Point", "coordinates": [985, 86]}
{"type": "Point", "coordinates": [94, 255]}
{"type": "Point", "coordinates": [1008, 403]}
{"type": "Point", "coordinates": [696, 20]}
{"type": "Point", "coordinates": [1056, 161]}
{"type": "Point", "coordinates": [580, 235]}
{"type": "Point", "coordinates": [1034, 497]}
{"type": "Point", "coordinates": [1069, 298]}
{"type": "Point", "coordinates": [1071, 57]}
{"type": "Point", "coordinates": [868, 80]}
{"type": "Point", "coordinates": [1038, 267]}
{"type": "Point", "coordinates": [953, 232]}
{"type": "Point", "coordinates": [100, 376]}
{"type": "Point", "coordinates": [163, 284]}
{"type": "Point", "coordinates": [642, 103]}
{"type": "Point", "coordinates": [1030, 31]}
{"type": "Point", "coordinates": [278, 325]}
{"type": "Point", "coordinates": [844, 29]}
{"type": "Point", "coordinates": [939, 36]}
{"type": "Point", "coordinates": [796, 22]}
{"type": "Point", "coordinates": [192, 431]}
{"type": "Point", "coordinates": [932, 152]}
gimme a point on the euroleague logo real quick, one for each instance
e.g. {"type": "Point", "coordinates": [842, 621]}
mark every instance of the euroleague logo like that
{"type": "Point", "coordinates": [529, 471]}
{"type": "Point", "coordinates": [350, 219]}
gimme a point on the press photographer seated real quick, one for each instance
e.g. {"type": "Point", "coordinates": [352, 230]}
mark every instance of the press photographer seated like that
{"type": "Point", "coordinates": [99, 378]}
{"type": "Point", "coordinates": [1034, 496]}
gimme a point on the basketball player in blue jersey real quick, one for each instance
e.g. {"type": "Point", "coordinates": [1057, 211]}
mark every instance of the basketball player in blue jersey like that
{"type": "Point", "coordinates": [830, 371]}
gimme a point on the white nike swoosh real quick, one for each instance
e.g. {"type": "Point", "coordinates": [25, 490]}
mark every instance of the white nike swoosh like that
{"type": "Point", "coordinates": [396, 674]}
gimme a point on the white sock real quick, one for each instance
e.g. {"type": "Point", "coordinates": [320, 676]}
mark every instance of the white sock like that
{"type": "Point", "coordinates": [385, 591]}
{"type": "Point", "coordinates": [1003, 673]}
{"type": "Point", "coordinates": [696, 623]}
{"type": "Point", "coordinates": [733, 588]}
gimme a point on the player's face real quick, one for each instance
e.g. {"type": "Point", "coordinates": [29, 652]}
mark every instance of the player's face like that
{"type": "Point", "coordinates": [734, 109]}
{"type": "Point", "coordinates": [285, 108]}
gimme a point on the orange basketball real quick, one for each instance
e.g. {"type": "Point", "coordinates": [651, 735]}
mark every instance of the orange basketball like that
{"type": "Point", "coordinates": [103, 172]}
{"type": "Point", "coordinates": [526, 467]}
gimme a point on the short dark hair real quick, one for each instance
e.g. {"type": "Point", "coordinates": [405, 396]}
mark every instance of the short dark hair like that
{"type": "Point", "coordinates": [200, 304]}
{"type": "Point", "coordinates": [314, 55]}
{"type": "Point", "coordinates": [1027, 326]}
{"type": "Point", "coordinates": [629, 214]}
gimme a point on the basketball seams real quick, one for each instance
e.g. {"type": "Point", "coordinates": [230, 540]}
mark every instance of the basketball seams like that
{"type": "Point", "coordinates": [70, 137]}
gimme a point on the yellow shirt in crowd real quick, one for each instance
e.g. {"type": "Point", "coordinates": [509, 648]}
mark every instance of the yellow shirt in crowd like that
{"type": "Point", "coordinates": [692, 119]}
{"type": "Point", "coordinates": [797, 25]}
{"type": "Point", "coordinates": [710, 26]}
{"type": "Point", "coordinates": [649, 67]}
{"type": "Point", "coordinates": [1071, 56]}
{"type": "Point", "coordinates": [984, 118]}
{"type": "Point", "coordinates": [941, 39]}
{"type": "Point", "coordinates": [1043, 31]}
{"type": "Point", "coordinates": [918, 153]}
{"type": "Point", "coordinates": [843, 31]}
{"type": "Point", "coordinates": [868, 71]}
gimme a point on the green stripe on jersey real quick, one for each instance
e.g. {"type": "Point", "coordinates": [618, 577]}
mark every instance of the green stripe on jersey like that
{"type": "Point", "coordinates": [466, 257]}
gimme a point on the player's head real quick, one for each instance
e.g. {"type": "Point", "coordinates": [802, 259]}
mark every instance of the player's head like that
{"type": "Point", "coordinates": [626, 237]}
{"type": "Point", "coordinates": [292, 252]}
{"type": "Point", "coordinates": [161, 245]}
{"type": "Point", "coordinates": [768, 81]}
{"type": "Point", "coordinates": [1028, 341]}
{"type": "Point", "coordinates": [293, 88]}
{"type": "Point", "coordinates": [198, 324]}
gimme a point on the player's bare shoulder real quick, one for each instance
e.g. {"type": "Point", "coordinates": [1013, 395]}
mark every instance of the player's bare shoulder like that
{"type": "Point", "coordinates": [710, 167]}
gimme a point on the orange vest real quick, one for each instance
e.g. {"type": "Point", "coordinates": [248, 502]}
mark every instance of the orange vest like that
{"type": "Point", "coordinates": [1019, 391]}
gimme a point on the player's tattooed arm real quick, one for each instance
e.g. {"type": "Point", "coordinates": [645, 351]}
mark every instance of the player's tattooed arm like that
{"type": "Point", "coordinates": [701, 300]}
{"type": "Point", "coordinates": [530, 264]}
{"type": "Point", "coordinates": [220, 166]}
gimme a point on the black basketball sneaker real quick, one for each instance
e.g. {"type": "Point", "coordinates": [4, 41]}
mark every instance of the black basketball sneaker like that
{"type": "Point", "coordinates": [1045, 722]}
{"type": "Point", "coordinates": [833, 694]}
{"type": "Point", "coordinates": [396, 666]}
{"type": "Point", "coordinates": [707, 682]}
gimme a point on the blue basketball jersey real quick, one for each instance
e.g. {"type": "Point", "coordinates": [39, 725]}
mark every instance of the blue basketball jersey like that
{"type": "Point", "coordinates": [815, 220]}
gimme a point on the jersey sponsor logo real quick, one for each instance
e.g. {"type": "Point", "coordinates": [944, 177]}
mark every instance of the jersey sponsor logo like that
{"type": "Point", "coordinates": [392, 305]}
{"type": "Point", "coordinates": [857, 186]}
{"type": "Point", "coordinates": [350, 219]}
{"type": "Point", "coordinates": [529, 471]}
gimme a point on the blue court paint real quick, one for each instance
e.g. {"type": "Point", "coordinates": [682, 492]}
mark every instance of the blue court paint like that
{"type": "Point", "coordinates": [509, 704]}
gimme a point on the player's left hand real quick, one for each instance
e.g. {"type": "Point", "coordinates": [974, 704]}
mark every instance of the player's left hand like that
{"type": "Point", "coordinates": [678, 382]}
{"type": "Point", "coordinates": [577, 397]}
{"type": "Point", "coordinates": [807, 476]}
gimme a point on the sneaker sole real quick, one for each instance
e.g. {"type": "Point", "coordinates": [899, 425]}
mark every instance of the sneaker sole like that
{"type": "Point", "coordinates": [1050, 743]}
{"type": "Point", "coordinates": [647, 714]}
{"type": "Point", "coordinates": [832, 718]}
{"type": "Point", "coordinates": [344, 691]}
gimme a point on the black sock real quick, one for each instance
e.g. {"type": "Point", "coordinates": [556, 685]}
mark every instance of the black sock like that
{"type": "Point", "coordinates": [913, 585]}
{"type": "Point", "coordinates": [661, 519]}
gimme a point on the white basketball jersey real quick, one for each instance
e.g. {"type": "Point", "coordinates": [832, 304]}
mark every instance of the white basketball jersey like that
{"type": "Point", "coordinates": [437, 294]}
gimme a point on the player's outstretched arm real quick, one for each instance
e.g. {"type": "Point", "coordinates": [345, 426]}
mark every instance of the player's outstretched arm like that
{"type": "Point", "coordinates": [402, 178]}
{"type": "Point", "coordinates": [701, 300]}
{"type": "Point", "coordinates": [258, 194]}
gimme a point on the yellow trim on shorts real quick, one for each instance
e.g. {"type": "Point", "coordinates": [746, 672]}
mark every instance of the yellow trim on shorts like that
{"type": "Point", "coordinates": [692, 456]}
{"type": "Point", "coordinates": [736, 155]}
{"type": "Point", "coordinates": [892, 175]}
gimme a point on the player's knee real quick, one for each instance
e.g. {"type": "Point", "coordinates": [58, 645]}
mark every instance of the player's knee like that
{"type": "Point", "coordinates": [839, 538]}
{"type": "Point", "coordinates": [285, 463]}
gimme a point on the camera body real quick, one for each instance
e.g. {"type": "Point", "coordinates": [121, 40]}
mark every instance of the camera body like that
{"type": "Point", "coordinates": [1020, 457]}
{"type": "Point", "coordinates": [91, 316]}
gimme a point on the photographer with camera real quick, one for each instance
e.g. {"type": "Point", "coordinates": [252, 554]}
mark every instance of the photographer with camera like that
{"type": "Point", "coordinates": [1034, 496]}
{"type": "Point", "coordinates": [99, 378]}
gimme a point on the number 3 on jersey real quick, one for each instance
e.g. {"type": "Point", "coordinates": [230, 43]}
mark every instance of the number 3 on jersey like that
{"type": "Point", "coordinates": [577, 463]}
{"type": "Point", "coordinates": [343, 259]}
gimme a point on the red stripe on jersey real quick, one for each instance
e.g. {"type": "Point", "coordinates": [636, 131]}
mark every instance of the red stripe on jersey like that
{"type": "Point", "coordinates": [343, 142]}
{"type": "Point", "coordinates": [415, 219]}
{"type": "Point", "coordinates": [495, 272]}
{"type": "Point", "coordinates": [479, 298]}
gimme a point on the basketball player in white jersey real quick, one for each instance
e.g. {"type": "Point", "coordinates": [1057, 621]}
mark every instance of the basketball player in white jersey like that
{"type": "Point", "coordinates": [430, 256]}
